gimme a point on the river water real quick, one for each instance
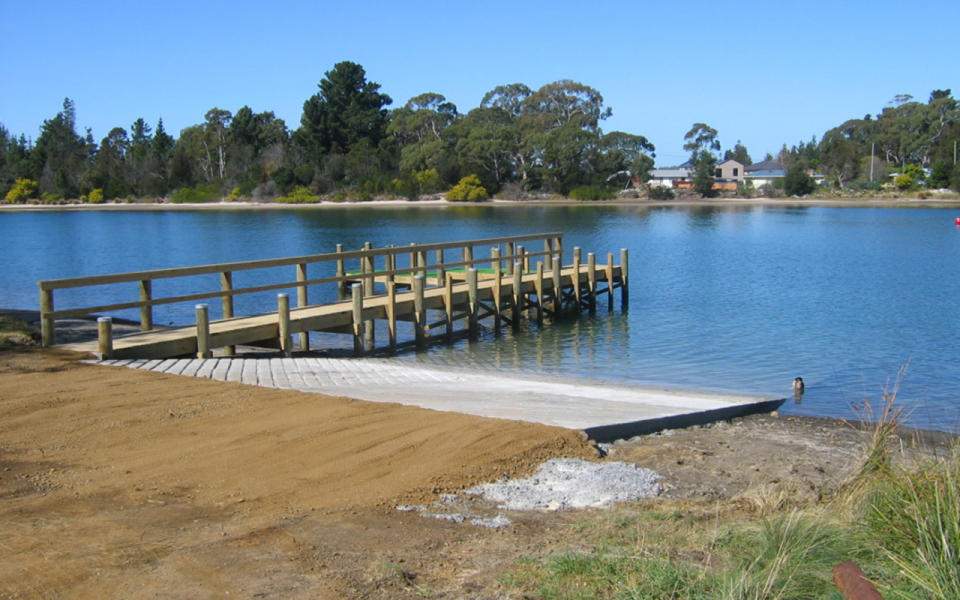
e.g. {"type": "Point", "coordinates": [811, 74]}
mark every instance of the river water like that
{"type": "Point", "coordinates": [736, 299]}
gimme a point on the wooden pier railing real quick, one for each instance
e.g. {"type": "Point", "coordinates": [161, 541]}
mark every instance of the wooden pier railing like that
{"type": "Point", "coordinates": [535, 280]}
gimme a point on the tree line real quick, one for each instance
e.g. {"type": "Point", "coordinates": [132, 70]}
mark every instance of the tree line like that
{"type": "Point", "coordinates": [348, 142]}
{"type": "Point", "coordinates": [518, 141]}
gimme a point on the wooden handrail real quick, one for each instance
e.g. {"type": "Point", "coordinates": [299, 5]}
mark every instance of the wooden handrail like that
{"type": "Point", "coordinates": [553, 241]}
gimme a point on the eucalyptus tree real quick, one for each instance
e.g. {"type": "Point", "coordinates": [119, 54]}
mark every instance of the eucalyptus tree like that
{"type": "Point", "coordinates": [701, 142]}
{"type": "Point", "coordinates": [422, 129]}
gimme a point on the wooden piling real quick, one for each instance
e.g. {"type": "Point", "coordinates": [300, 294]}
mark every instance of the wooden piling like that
{"type": "Point", "coordinates": [341, 284]}
{"type": "Point", "coordinates": [226, 302]}
{"type": "Point", "coordinates": [624, 287]}
{"type": "Point", "coordinates": [392, 313]}
{"type": "Point", "coordinates": [203, 331]}
{"type": "Point", "coordinates": [441, 272]}
{"type": "Point", "coordinates": [283, 321]}
{"type": "Point", "coordinates": [517, 295]}
{"type": "Point", "coordinates": [356, 292]}
{"type": "Point", "coordinates": [448, 307]}
{"type": "Point", "coordinates": [548, 259]}
{"type": "Point", "coordinates": [146, 312]}
{"type": "Point", "coordinates": [368, 291]}
{"type": "Point", "coordinates": [47, 335]}
{"type": "Point", "coordinates": [472, 298]}
{"type": "Point", "coordinates": [576, 277]}
{"type": "Point", "coordinates": [592, 281]}
{"type": "Point", "coordinates": [302, 301]}
{"type": "Point", "coordinates": [419, 311]}
{"type": "Point", "coordinates": [105, 337]}
{"type": "Point", "coordinates": [539, 287]}
{"type": "Point", "coordinates": [556, 284]}
{"type": "Point", "coordinates": [609, 275]}
{"type": "Point", "coordinates": [511, 257]}
{"type": "Point", "coordinates": [497, 297]}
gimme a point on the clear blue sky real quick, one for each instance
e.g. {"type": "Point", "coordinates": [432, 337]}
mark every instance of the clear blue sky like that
{"type": "Point", "coordinates": [764, 73]}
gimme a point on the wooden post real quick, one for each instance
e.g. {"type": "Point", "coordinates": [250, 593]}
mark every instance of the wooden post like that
{"type": "Point", "coordinates": [576, 276]}
{"type": "Point", "coordinates": [539, 287]}
{"type": "Point", "coordinates": [203, 331]}
{"type": "Point", "coordinates": [495, 263]}
{"type": "Point", "coordinates": [283, 316]}
{"type": "Point", "coordinates": [368, 283]}
{"type": "Point", "coordinates": [392, 313]}
{"type": "Point", "coordinates": [472, 297]}
{"type": "Point", "coordinates": [609, 274]}
{"type": "Point", "coordinates": [521, 258]}
{"type": "Point", "coordinates": [46, 323]}
{"type": "Point", "coordinates": [467, 256]}
{"type": "Point", "coordinates": [146, 312]}
{"type": "Point", "coordinates": [226, 302]}
{"type": "Point", "coordinates": [517, 296]}
{"type": "Point", "coordinates": [558, 248]}
{"type": "Point", "coordinates": [441, 273]}
{"type": "Point", "coordinates": [341, 285]}
{"type": "Point", "coordinates": [419, 310]}
{"type": "Point", "coordinates": [413, 261]}
{"type": "Point", "coordinates": [624, 274]}
{"type": "Point", "coordinates": [391, 264]}
{"type": "Point", "coordinates": [557, 287]}
{"type": "Point", "coordinates": [448, 307]}
{"type": "Point", "coordinates": [105, 337]}
{"type": "Point", "coordinates": [511, 258]}
{"type": "Point", "coordinates": [422, 263]}
{"type": "Point", "coordinates": [548, 259]}
{"type": "Point", "coordinates": [592, 281]}
{"type": "Point", "coordinates": [302, 301]}
{"type": "Point", "coordinates": [497, 295]}
{"type": "Point", "coordinates": [356, 295]}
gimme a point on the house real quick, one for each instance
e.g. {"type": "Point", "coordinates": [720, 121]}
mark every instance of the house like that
{"type": "Point", "coordinates": [764, 173]}
{"type": "Point", "coordinates": [671, 177]}
{"type": "Point", "coordinates": [729, 170]}
{"type": "Point", "coordinates": [727, 173]}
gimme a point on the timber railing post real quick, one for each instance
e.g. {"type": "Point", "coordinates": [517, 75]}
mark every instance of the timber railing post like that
{"type": "Point", "coordinates": [511, 257]}
{"type": "Point", "coordinates": [624, 287]}
{"type": "Point", "coordinates": [592, 281]}
{"type": "Point", "coordinates": [392, 313]}
{"type": "Point", "coordinates": [521, 258]}
{"type": "Point", "coordinates": [539, 288]}
{"type": "Point", "coordinates": [576, 276]}
{"type": "Point", "coordinates": [497, 297]}
{"type": "Point", "coordinates": [548, 259]}
{"type": "Point", "coordinates": [419, 310]}
{"type": "Point", "coordinates": [105, 337]}
{"type": "Point", "coordinates": [517, 296]}
{"type": "Point", "coordinates": [146, 311]}
{"type": "Point", "coordinates": [609, 273]}
{"type": "Point", "coordinates": [341, 284]}
{"type": "Point", "coordinates": [557, 287]}
{"type": "Point", "coordinates": [441, 273]}
{"type": "Point", "coordinates": [448, 307]}
{"type": "Point", "coordinates": [472, 297]}
{"type": "Point", "coordinates": [356, 292]}
{"type": "Point", "coordinates": [47, 335]}
{"type": "Point", "coordinates": [283, 316]}
{"type": "Point", "coordinates": [558, 248]}
{"type": "Point", "coordinates": [203, 331]}
{"type": "Point", "coordinates": [302, 301]}
{"type": "Point", "coordinates": [368, 282]}
{"type": "Point", "coordinates": [226, 302]}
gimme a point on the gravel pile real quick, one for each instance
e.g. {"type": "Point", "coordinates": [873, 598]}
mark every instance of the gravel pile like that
{"type": "Point", "coordinates": [572, 483]}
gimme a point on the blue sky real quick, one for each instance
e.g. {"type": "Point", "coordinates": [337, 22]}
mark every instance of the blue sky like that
{"type": "Point", "coordinates": [764, 73]}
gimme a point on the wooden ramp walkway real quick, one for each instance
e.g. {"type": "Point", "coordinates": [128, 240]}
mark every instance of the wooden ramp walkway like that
{"type": "Point", "coordinates": [505, 285]}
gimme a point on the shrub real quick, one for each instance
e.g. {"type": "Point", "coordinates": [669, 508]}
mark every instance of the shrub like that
{"type": "Point", "coordinates": [591, 192]}
{"type": "Point", "coordinates": [23, 189]}
{"type": "Point", "coordinates": [299, 195]}
{"type": "Point", "coordinates": [428, 181]}
{"type": "Point", "coordinates": [469, 189]}
{"type": "Point", "coordinates": [797, 182]}
{"type": "Point", "coordinates": [903, 182]}
{"type": "Point", "coordinates": [659, 192]}
{"type": "Point", "coordinates": [196, 195]}
{"type": "Point", "coordinates": [49, 197]}
{"type": "Point", "coordinates": [96, 196]}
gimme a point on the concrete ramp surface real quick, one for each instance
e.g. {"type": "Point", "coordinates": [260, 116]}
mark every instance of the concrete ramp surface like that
{"type": "Point", "coordinates": [604, 412]}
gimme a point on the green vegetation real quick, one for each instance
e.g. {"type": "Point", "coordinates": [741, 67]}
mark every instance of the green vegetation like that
{"type": "Point", "coordinates": [299, 195]}
{"type": "Point", "coordinates": [591, 192]}
{"type": "Point", "coordinates": [197, 194]}
{"type": "Point", "coordinates": [519, 141]}
{"type": "Point", "coordinates": [798, 182]}
{"type": "Point", "coordinates": [899, 522]}
{"type": "Point", "coordinates": [469, 189]}
{"type": "Point", "coordinates": [660, 193]}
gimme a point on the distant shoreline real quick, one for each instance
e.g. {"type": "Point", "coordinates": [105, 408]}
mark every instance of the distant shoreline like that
{"type": "Point", "coordinates": [440, 203]}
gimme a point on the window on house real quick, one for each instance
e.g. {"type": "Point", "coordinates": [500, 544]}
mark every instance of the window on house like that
{"type": "Point", "coordinates": [736, 172]}
{"type": "Point", "coordinates": [719, 173]}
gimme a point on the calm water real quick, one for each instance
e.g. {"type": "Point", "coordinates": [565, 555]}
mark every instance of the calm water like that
{"type": "Point", "coordinates": [731, 299]}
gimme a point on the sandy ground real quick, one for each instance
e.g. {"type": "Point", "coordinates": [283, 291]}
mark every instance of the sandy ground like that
{"type": "Point", "coordinates": [125, 483]}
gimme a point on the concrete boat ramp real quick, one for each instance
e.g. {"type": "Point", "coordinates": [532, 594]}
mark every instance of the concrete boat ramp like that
{"type": "Point", "coordinates": [604, 412]}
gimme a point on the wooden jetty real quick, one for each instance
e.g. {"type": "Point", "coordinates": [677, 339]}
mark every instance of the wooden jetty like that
{"type": "Point", "coordinates": [495, 278]}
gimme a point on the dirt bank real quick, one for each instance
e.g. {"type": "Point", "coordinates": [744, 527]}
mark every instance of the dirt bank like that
{"type": "Point", "coordinates": [124, 483]}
